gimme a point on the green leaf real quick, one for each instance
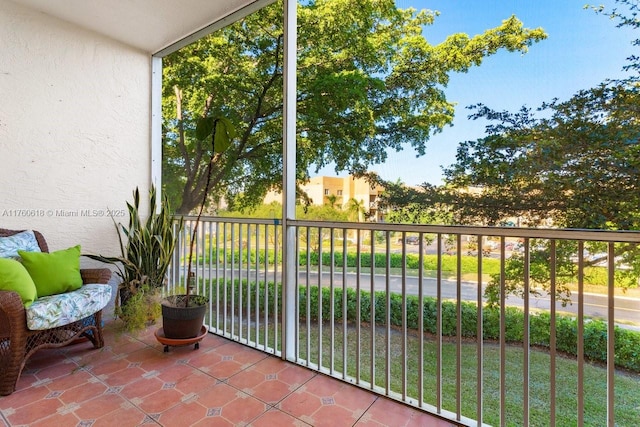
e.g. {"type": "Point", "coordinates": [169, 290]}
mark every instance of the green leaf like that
{"type": "Point", "coordinates": [225, 132]}
{"type": "Point", "coordinates": [204, 127]}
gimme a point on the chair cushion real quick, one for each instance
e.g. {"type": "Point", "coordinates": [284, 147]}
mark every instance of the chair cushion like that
{"type": "Point", "coordinates": [14, 277]}
{"type": "Point", "coordinates": [55, 272]}
{"type": "Point", "coordinates": [59, 310]}
{"type": "Point", "coordinates": [23, 241]}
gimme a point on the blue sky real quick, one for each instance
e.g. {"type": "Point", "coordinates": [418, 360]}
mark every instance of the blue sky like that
{"type": "Point", "coordinates": [582, 49]}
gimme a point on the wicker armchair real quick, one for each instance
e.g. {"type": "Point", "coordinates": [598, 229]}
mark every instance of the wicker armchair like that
{"type": "Point", "coordinates": [18, 343]}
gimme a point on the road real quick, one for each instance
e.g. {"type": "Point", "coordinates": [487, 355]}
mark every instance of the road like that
{"type": "Point", "coordinates": [627, 310]}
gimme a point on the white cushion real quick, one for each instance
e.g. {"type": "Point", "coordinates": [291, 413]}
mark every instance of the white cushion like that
{"type": "Point", "coordinates": [61, 309]}
{"type": "Point", "coordinates": [23, 241]}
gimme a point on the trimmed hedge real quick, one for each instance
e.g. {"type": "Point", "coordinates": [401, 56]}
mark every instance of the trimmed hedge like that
{"type": "Point", "coordinates": [627, 342]}
{"type": "Point", "coordinates": [469, 264]}
{"type": "Point", "coordinates": [449, 262]}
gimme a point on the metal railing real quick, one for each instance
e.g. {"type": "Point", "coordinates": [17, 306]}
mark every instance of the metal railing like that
{"type": "Point", "coordinates": [398, 309]}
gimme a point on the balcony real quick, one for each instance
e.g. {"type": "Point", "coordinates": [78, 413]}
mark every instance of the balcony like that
{"type": "Point", "coordinates": [427, 366]}
{"type": "Point", "coordinates": [131, 381]}
{"type": "Point", "coordinates": [69, 153]}
{"type": "Point", "coordinates": [422, 348]}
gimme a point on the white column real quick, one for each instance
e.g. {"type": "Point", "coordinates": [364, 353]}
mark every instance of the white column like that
{"type": "Point", "coordinates": [289, 181]}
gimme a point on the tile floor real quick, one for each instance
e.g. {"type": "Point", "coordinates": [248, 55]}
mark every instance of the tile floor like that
{"type": "Point", "coordinates": [131, 382]}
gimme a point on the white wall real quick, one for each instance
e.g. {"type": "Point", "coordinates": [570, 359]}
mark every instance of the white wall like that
{"type": "Point", "coordinates": [74, 129]}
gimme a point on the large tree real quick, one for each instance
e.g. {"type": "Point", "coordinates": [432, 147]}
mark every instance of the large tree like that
{"type": "Point", "coordinates": [368, 82]}
{"type": "Point", "coordinates": [579, 164]}
{"type": "Point", "coordinates": [576, 162]}
{"type": "Point", "coordinates": [412, 205]}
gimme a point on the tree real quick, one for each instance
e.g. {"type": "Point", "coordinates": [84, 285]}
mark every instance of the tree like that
{"type": "Point", "coordinates": [368, 81]}
{"type": "Point", "coordinates": [579, 164]}
{"type": "Point", "coordinates": [355, 210]}
{"type": "Point", "coordinates": [413, 205]}
{"type": "Point", "coordinates": [331, 200]}
{"type": "Point", "coordinates": [576, 162]}
{"type": "Point", "coordinates": [309, 212]}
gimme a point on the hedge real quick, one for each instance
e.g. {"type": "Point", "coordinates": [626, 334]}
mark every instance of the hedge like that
{"type": "Point", "coordinates": [469, 264]}
{"type": "Point", "coordinates": [449, 262]}
{"type": "Point", "coordinates": [627, 342]}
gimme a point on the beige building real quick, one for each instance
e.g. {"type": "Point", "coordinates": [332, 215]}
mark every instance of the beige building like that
{"type": "Point", "coordinates": [320, 190]}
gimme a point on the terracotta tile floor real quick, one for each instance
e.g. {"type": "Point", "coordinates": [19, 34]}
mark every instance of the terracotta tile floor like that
{"type": "Point", "coordinates": [131, 382]}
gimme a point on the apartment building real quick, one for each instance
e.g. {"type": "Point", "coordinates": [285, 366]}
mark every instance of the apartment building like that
{"type": "Point", "coordinates": [320, 190]}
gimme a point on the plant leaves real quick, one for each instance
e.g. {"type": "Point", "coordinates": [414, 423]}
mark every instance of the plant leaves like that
{"type": "Point", "coordinates": [219, 128]}
{"type": "Point", "coordinates": [225, 132]}
{"type": "Point", "coordinates": [204, 127]}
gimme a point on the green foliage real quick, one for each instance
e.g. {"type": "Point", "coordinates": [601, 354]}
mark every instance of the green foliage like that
{"type": "Point", "coordinates": [469, 264]}
{"type": "Point", "coordinates": [566, 270]}
{"type": "Point", "coordinates": [597, 276]}
{"type": "Point", "coordinates": [220, 129]}
{"type": "Point", "coordinates": [368, 82]}
{"type": "Point", "coordinates": [627, 342]}
{"type": "Point", "coordinates": [408, 205]}
{"type": "Point", "coordinates": [325, 212]}
{"type": "Point", "coordinates": [449, 262]}
{"type": "Point", "coordinates": [243, 291]}
{"type": "Point", "coordinates": [147, 253]}
{"type": "Point", "coordinates": [221, 257]}
{"type": "Point", "coordinates": [355, 210]}
{"type": "Point", "coordinates": [574, 162]}
{"type": "Point", "coordinates": [141, 309]}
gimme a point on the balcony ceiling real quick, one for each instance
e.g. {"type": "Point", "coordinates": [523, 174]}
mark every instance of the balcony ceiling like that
{"type": "Point", "coordinates": [149, 25]}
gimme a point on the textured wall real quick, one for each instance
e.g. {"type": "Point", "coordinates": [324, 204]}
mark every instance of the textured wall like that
{"type": "Point", "coordinates": [74, 129]}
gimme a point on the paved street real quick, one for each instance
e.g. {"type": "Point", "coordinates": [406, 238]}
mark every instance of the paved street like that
{"type": "Point", "coordinates": [627, 310]}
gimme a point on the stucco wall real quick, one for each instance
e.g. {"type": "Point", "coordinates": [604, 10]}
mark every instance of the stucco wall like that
{"type": "Point", "coordinates": [74, 129]}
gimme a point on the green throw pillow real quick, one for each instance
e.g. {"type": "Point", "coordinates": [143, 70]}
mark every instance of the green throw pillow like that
{"type": "Point", "coordinates": [14, 277]}
{"type": "Point", "coordinates": [54, 273]}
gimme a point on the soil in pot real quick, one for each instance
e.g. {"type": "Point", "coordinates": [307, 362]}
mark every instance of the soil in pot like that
{"type": "Point", "coordinates": [180, 321]}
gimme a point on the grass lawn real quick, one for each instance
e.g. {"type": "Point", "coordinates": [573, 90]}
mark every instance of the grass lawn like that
{"type": "Point", "coordinates": [627, 398]}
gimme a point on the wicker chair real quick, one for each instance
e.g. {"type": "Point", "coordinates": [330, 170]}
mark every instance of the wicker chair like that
{"type": "Point", "coordinates": [18, 343]}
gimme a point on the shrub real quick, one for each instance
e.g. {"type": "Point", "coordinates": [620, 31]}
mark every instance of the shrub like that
{"type": "Point", "coordinates": [627, 352]}
{"type": "Point", "coordinates": [627, 342]}
{"type": "Point", "coordinates": [430, 262]}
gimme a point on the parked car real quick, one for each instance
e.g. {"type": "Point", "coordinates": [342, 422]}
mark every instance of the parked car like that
{"type": "Point", "coordinates": [412, 240]}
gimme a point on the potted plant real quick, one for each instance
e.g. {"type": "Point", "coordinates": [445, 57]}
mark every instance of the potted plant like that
{"type": "Point", "coordinates": [183, 314]}
{"type": "Point", "coordinates": [144, 259]}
